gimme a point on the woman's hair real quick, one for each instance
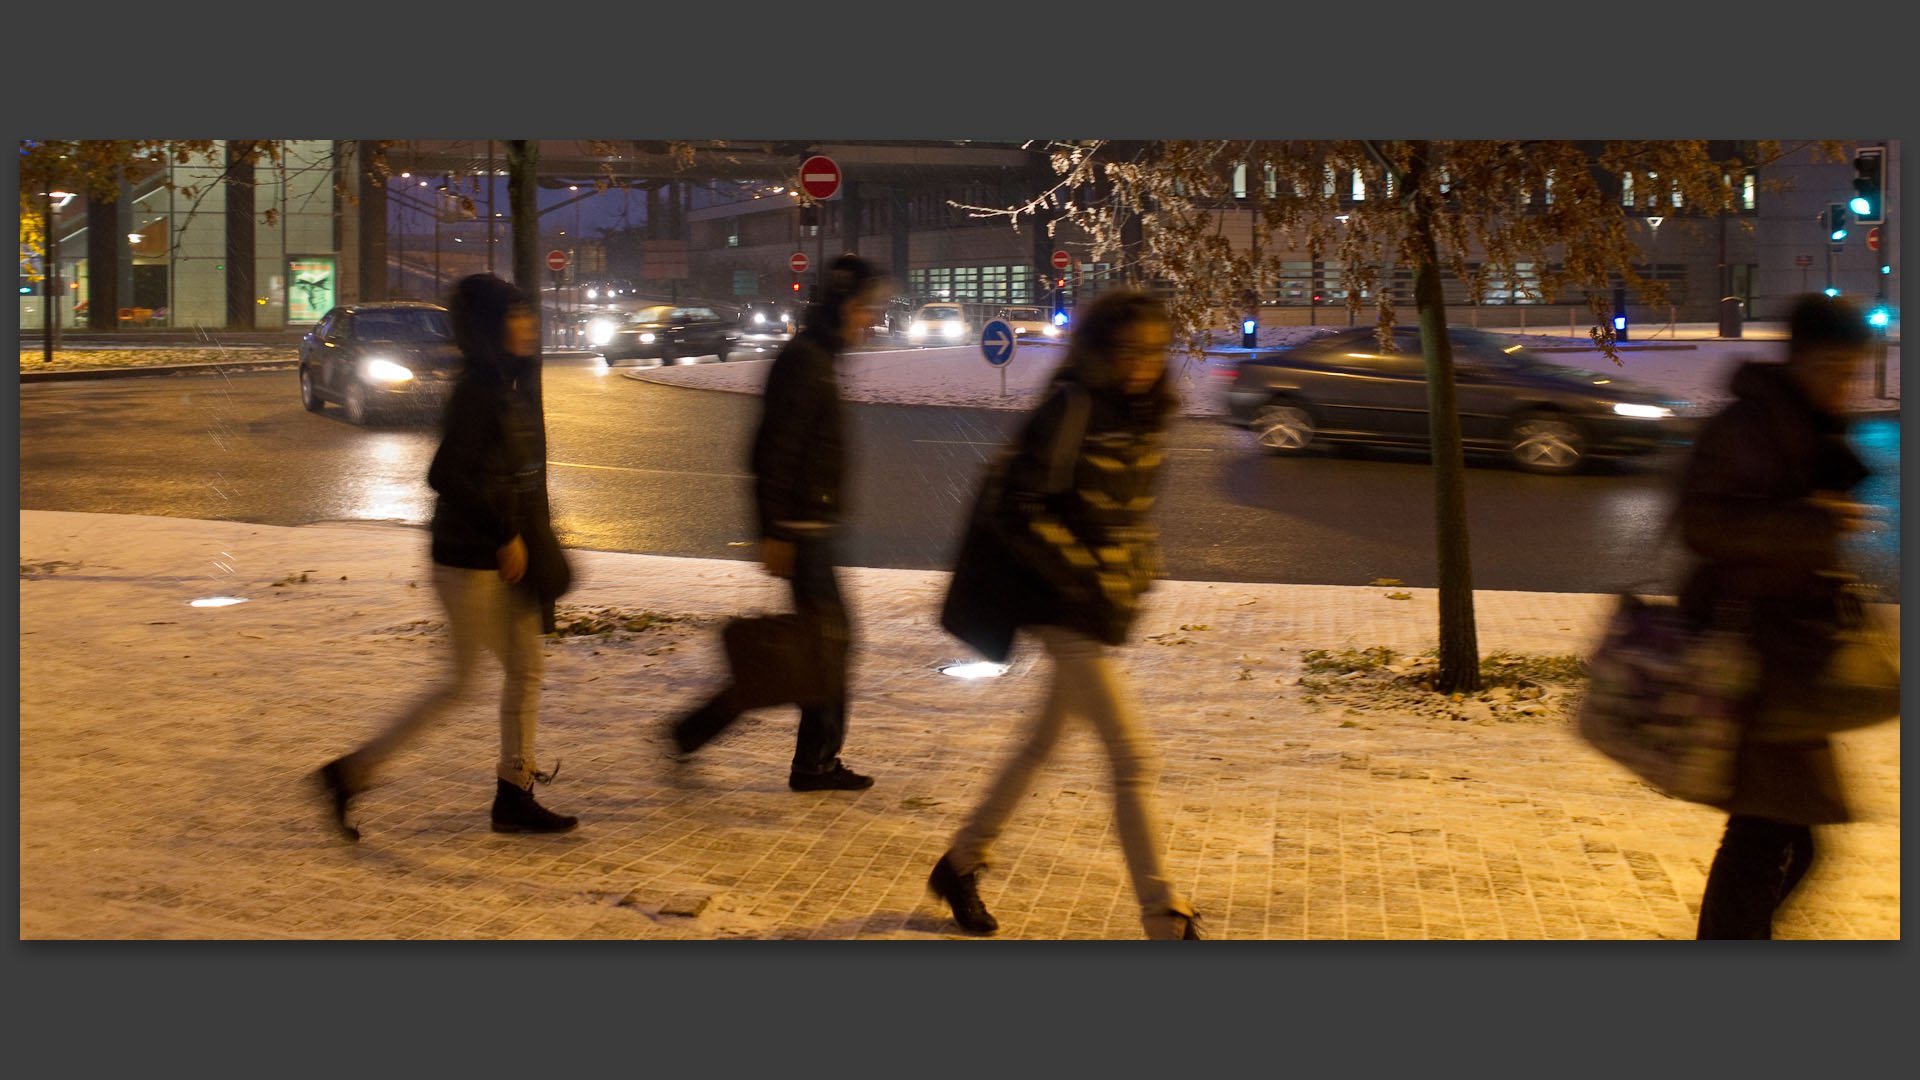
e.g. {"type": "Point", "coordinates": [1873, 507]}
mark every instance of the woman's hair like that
{"type": "Point", "coordinates": [847, 277]}
{"type": "Point", "coordinates": [1096, 337]}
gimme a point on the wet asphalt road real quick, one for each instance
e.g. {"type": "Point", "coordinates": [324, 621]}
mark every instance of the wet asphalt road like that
{"type": "Point", "coordinates": [661, 470]}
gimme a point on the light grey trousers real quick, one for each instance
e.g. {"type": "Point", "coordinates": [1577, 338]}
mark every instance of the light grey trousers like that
{"type": "Point", "coordinates": [1084, 684]}
{"type": "Point", "coordinates": [484, 614]}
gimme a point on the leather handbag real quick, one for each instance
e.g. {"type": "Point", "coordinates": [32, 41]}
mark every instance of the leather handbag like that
{"type": "Point", "coordinates": [1664, 698]}
{"type": "Point", "coordinates": [785, 659]}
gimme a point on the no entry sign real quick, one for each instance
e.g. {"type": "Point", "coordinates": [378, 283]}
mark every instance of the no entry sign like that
{"type": "Point", "coordinates": [1873, 238]}
{"type": "Point", "coordinates": [798, 263]}
{"type": "Point", "coordinates": [819, 177]}
{"type": "Point", "coordinates": [1803, 261]}
{"type": "Point", "coordinates": [1061, 260]}
{"type": "Point", "coordinates": [556, 260]}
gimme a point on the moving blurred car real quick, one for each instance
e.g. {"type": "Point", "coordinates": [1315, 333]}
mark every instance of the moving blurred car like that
{"type": "Point", "coordinates": [766, 323]}
{"type": "Point", "coordinates": [666, 332]}
{"type": "Point", "coordinates": [939, 324]}
{"type": "Point", "coordinates": [894, 320]}
{"type": "Point", "coordinates": [379, 358]}
{"type": "Point", "coordinates": [1030, 322]}
{"type": "Point", "coordinates": [1341, 388]}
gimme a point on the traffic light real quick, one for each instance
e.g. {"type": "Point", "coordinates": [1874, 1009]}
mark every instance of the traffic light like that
{"type": "Point", "coordinates": [1867, 203]}
{"type": "Point", "coordinates": [796, 286]}
{"type": "Point", "coordinates": [1836, 222]}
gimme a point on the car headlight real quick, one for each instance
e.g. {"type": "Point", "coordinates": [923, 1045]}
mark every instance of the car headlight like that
{"type": "Point", "coordinates": [600, 331]}
{"type": "Point", "coordinates": [1644, 412]}
{"type": "Point", "coordinates": [1052, 330]}
{"type": "Point", "coordinates": [916, 330]}
{"type": "Point", "coordinates": [646, 339]}
{"type": "Point", "coordinates": [954, 329]}
{"type": "Point", "coordinates": [387, 371]}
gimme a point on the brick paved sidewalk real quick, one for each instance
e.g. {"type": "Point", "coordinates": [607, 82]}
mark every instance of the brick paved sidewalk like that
{"type": "Point", "coordinates": [164, 749]}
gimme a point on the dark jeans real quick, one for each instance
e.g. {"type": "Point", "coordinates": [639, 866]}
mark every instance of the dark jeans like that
{"type": "Point", "coordinates": [823, 616]}
{"type": "Point", "coordinates": [1759, 864]}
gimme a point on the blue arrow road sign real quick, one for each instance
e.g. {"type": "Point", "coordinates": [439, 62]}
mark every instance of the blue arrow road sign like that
{"type": "Point", "coordinates": [996, 343]}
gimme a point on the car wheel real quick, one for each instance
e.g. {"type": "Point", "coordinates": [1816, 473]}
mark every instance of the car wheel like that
{"type": "Point", "coordinates": [1284, 427]}
{"type": "Point", "coordinates": [309, 393]}
{"type": "Point", "coordinates": [667, 356]}
{"type": "Point", "coordinates": [720, 354]}
{"type": "Point", "coordinates": [1547, 443]}
{"type": "Point", "coordinates": [358, 412]}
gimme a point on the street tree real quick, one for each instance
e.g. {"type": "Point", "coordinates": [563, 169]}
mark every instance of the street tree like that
{"type": "Point", "coordinates": [1159, 213]}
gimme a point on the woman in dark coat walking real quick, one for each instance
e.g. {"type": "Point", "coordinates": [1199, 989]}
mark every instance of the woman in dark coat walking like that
{"type": "Point", "coordinates": [1764, 508]}
{"type": "Point", "coordinates": [1060, 545]}
{"type": "Point", "coordinates": [497, 567]}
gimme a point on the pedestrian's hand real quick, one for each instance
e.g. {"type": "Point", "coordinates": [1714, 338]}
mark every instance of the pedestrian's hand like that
{"type": "Point", "coordinates": [513, 561]}
{"type": "Point", "coordinates": [777, 555]}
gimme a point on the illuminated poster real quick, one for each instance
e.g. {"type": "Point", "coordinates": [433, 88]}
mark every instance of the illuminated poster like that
{"type": "Point", "coordinates": [310, 292]}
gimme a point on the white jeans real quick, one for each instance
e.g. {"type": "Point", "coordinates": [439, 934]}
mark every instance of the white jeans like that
{"type": "Point", "coordinates": [483, 613]}
{"type": "Point", "coordinates": [1084, 684]}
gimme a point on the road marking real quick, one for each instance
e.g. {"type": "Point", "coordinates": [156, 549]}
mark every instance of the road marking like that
{"type": "Point", "coordinates": [663, 472]}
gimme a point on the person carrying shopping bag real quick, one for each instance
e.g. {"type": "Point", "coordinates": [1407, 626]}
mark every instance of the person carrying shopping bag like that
{"type": "Point", "coordinates": [1060, 545]}
{"type": "Point", "coordinates": [497, 567]}
{"type": "Point", "coordinates": [1764, 508]}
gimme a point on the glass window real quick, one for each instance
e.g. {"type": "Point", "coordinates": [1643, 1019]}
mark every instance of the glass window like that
{"type": "Point", "coordinates": [1359, 186]}
{"type": "Point", "coordinates": [1626, 190]}
{"type": "Point", "coordinates": [1240, 180]}
{"type": "Point", "coordinates": [1747, 191]}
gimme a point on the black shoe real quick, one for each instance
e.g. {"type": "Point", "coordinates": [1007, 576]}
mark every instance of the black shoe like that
{"type": "Point", "coordinates": [958, 891]}
{"type": "Point", "coordinates": [514, 811]}
{"type": "Point", "coordinates": [336, 792]}
{"type": "Point", "coordinates": [1173, 926]}
{"type": "Point", "coordinates": [697, 728]}
{"type": "Point", "coordinates": [836, 778]}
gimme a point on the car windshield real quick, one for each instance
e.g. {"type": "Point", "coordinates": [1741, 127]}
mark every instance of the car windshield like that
{"type": "Point", "coordinates": [939, 313]}
{"type": "Point", "coordinates": [423, 324]}
{"type": "Point", "coordinates": [651, 315]}
{"type": "Point", "coordinates": [1025, 314]}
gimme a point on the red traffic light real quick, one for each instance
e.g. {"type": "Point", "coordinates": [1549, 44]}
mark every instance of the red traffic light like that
{"type": "Point", "coordinates": [796, 286]}
{"type": "Point", "coordinates": [1059, 283]}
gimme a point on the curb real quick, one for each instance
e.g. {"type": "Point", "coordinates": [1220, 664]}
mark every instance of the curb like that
{"type": "Point", "coordinates": [157, 369]}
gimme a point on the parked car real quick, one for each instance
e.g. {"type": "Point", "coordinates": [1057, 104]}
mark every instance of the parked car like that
{"type": "Point", "coordinates": [766, 323]}
{"type": "Point", "coordinates": [669, 332]}
{"type": "Point", "coordinates": [894, 320]}
{"type": "Point", "coordinates": [379, 358]}
{"type": "Point", "coordinates": [939, 324]}
{"type": "Point", "coordinates": [1342, 388]}
{"type": "Point", "coordinates": [1030, 322]}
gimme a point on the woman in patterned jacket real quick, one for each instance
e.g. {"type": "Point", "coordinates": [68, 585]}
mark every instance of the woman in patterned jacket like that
{"type": "Point", "coordinates": [1060, 545]}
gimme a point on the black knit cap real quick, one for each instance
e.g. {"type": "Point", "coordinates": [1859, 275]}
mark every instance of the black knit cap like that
{"type": "Point", "coordinates": [847, 277]}
{"type": "Point", "coordinates": [1819, 321]}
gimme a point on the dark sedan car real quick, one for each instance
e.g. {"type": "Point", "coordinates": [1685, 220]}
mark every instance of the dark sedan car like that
{"type": "Point", "coordinates": [1342, 388]}
{"type": "Point", "coordinates": [669, 332]}
{"type": "Point", "coordinates": [766, 324]}
{"type": "Point", "coordinates": [375, 358]}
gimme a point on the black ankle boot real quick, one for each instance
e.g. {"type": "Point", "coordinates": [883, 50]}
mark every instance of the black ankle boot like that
{"type": "Point", "coordinates": [514, 811]}
{"type": "Point", "coordinates": [959, 892]}
{"type": "Point", "coordinates": [335, 792]}
{"type": "Point", "coordinates": [697, 728]}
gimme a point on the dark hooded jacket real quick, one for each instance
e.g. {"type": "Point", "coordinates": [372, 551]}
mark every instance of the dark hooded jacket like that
{"type": "Point", "coordinates": [799, 453]}
{"type": "Point", "coordinates": [1061, 536]}
{"type": "Point", "coordinates": [490, 471]}
{"type": "Point", "coordinates": [1768, 557]}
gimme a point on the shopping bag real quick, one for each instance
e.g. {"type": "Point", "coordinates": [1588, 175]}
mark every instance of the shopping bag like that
{"type": "Point", "coordinates": [1664, 698]}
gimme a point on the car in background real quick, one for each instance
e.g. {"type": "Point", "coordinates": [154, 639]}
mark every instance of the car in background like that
{"type": "Point", "coordinates": [373, 359]}
{"type": "Point", "coordinates": [893, 320]}
{"type": "Point", "coordinates": [766, 324]}
{"type": "Point", "coordinates": [1344, 388]}
{"type": "Point", "coordinates": [939, 324]}
{"type": "Point", "coordinates": [1033, 322]}
{"type": "Point", "coordinates": [666, 332]}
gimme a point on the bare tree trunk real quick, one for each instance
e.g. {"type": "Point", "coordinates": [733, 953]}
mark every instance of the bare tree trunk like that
{"type": "Point", "coordinates": [1459, 645]}
{"type": "Point", "coordinates": [523, 208]}
{"type": "Point", "coordinates": [103, 262]}
{"type": "Point", "coordinates": [372, 190]}
{"type": "Point", "coordinates": [239, 236]}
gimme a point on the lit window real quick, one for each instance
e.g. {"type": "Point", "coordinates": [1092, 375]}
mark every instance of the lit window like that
{"type": "Point", "coordinates": [1273, 182]}
{"type": "Point", "coordinates": [1359, 186]}
{"type": "Point", "coordinates": [1240, 181]}
{"type": "Point", "coordinates": [1747, 192]}
{"type": "Point", "coordinates": [1626, 190]}
{"type": "Point", "coordinates": [1548, 195]}
{"type": "Point", "coordinates": [1332, 182]}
